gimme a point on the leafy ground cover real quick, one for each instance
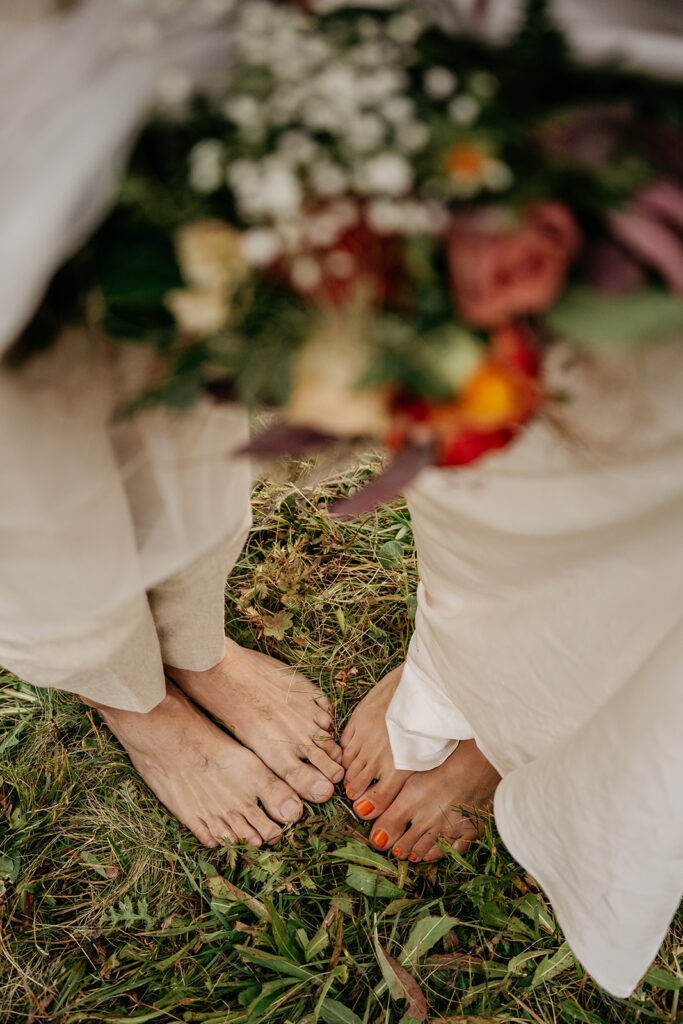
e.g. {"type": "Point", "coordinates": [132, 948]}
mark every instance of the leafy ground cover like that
{"type": "Point", "coordinates": [110, 911]}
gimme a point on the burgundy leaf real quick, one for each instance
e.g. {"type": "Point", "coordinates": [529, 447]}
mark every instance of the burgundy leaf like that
{"type": "Point", "coordinates": [401, 471]}
{"type": "Point", "coordinates": [609, 268]}
{"type": "Point", "coordinates": [284, 439]}
{"type": "Point", "coordinates": [664, 199]}
{"type": "Point", "coordinates": [650, 241]}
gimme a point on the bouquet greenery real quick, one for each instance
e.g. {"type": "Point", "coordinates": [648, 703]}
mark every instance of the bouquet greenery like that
{"type": "Point", "coordinates": [379, 227]}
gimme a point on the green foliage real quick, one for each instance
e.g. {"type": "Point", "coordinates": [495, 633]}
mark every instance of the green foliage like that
{"type": "Point", "coordinates": [111, 911]}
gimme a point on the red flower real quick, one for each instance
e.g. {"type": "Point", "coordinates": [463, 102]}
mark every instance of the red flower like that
{"type": "Point", "coordinates": [500, 272]}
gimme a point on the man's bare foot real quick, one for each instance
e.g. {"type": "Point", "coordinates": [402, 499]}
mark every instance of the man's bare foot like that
{"type": "Point", "coordinates": [207, 780]}
{"type": "Point", "coordinates": [276, 712]}
{"type": "Point", "coordinates": [410, 810]}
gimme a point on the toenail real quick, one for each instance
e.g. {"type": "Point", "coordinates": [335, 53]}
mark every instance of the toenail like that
{"type": "Point", "coordinates": [338, 776]}
{"type": "Point", "coordinates": [427, 859]}
{"type": "Point", "coordinates": [364, 807]}
{"type": "Point", "coordinates": [411, 856]}
{"type": "Point", "coordinates": [396, 852]}
{"type": "Point", "coordinates": [349, 793]}
{"type": "Point", "coordinates": [321, 790]}
{"type": "Point", "coordinates": [380, 838]}
{"type": "Point", "coordinates": [290, 810]}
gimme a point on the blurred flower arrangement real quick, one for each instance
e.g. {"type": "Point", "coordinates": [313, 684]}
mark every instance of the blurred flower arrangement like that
{"type": "Point", "coordinates": [378, 227]}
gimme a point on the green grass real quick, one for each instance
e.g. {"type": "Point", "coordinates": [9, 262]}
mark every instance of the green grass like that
{"type": "Point", "coordinates": [110, 911]}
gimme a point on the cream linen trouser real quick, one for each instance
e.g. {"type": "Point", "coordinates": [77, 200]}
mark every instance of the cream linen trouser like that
{"type": "Point", "coordinates": [116, 535]}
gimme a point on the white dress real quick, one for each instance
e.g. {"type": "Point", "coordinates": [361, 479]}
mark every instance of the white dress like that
{"type": "Point", "coordinates": [550, 628]}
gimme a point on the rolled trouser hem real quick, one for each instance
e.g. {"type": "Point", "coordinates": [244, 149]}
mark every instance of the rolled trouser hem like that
{"type": "Point", "coordinates": [116, 664]}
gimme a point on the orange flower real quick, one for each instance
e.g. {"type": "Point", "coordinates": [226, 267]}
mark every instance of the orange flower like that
{"type": "Point", "coordinates": [466, 161]}
{"type": "Point", "coordinates": [491, 399]}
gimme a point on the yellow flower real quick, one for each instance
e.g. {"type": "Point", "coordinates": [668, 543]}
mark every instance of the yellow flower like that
{"type": "Point", "coordinates": [212, 262]}
{"type": "Point", "coordinates": [210, 254]}
{"type": "Point", "coordinates": [199, 310]}
{"type": "Point", "coordinates": [325, 374]}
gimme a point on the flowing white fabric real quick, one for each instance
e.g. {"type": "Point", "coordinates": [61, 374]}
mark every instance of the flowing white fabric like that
{"type": "Point", "coordinates": [550, 628]}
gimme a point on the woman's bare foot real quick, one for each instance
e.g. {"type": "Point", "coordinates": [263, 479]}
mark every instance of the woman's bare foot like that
{"type": "Point", "coordinates": [207, 780]}
{"type": "Point", "coordinates": [371, 779]}
{"type": "Point", "coordinates": [410, 810]}
{"type": "Point", "coordinates": [276, 712]}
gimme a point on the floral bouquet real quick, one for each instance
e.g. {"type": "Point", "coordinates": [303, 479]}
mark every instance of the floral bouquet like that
{"type": "Point", "coordinates": [379, 227]}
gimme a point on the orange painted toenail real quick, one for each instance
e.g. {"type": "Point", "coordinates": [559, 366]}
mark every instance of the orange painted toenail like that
{"type": "Point", "coordinates": [380, 838]}
{"type": "Point", "coordinates": [350, 794]}
{"type": "Point", "coordinates": [363, 807]}
{"type": "Point", "coordinates": [411, 856]}
{"type": "Point", "coordinates": [427, 859]}
{"type": "Point", "coordinates": [396, 852]}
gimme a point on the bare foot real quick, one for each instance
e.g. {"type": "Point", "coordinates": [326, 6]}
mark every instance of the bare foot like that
{"type": "Point", "coordinates": [371, 779]}
{"type": "Point", "coordinates": [207, 780]}
{"type": "Point", "coordinates": [276, 712]}
{"type": "Point", "coordinates": [411, 810]}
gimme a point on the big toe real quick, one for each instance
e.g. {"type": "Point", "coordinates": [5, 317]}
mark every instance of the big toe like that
{"type": "Point", "coordinates": [380, 795]}
{"type": "Point", "coordinates": [308, 782]}
{"type": "Point", "coordinates": [281, 801]}
{"type": "Point", "coordinates": [390, 825]}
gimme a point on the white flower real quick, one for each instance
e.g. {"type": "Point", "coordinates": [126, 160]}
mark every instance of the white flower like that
{"type": "Point", "coordinates": [261, 246]}
{"type": "Point", "coordinates": [305, 273]}
{"type": "Point", "coordinates": [280, 190]}
{"type": "Point", "coordinates": [242, 109]}
{"type": "Point", "coordinates": [322, 229]}
{"type": "Point", "coordinates": [385, 216]}
{"type": "Point", "coordinates": [381, 84]}
{"type": "Point", "coordinates": [464, 110]}
{"type": "Point", "coordinates": [206, 165]}
{"type": "Point", "coordinates": [398, 109]}
{"type": "Point", "coordinates": [412, 137]}
{"type": "Point", "coordinates": [405, 27]}
{"type": "Point", "coordinates": [320, 115]}
{"type": "Point", "coordinates": [174, 89]}
{"type": "Point", "coordinates": [440, 83]}
{"type": "Point", "coordinates": [297, 146]}
{"type": "Point", "coordinates": [365, 133]}
{"type": "Point", "coordinates": [368, 27]}
{"type": "Point", "coordinates": [241, 172]}
{"type": "Point", "coordinates": [328, 179]}
{"type": "Point", "coordinates": [387, 173]}
{"type": "Point", "coordinates": [497, 175]}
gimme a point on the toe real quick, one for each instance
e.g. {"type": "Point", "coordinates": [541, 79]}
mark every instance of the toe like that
{"type": "Point", "coordinates": [359, 776]}
{"type": "Point", "coordinates": [347, 735]}
{"type": "Point", "coordinates": [391, 827]}
{"type": "Point", "coordinates": [322, 760]}
{"type": "Point", "coordinates": [324, 704]}
{"type": "Point", "coordinates": [323, 719]}
{"type": "Point", "coordinates": [405, 844]}
{"type": "Point", "coordinates": [433, 853]}
{"type": "Point", "coordinates": [203, 833]}
{"type": "Point", "coordinates": [308, 782]}
{"type": "Point", "coordinates": [267, 829]}
{"type": "Point", "coordinates": [245, 832]}
{"type": "Point", "coordinates": [224, 834]}
{"type": "Point", "coordinates": [380, 794]}
{"type": "Point", "coordinates": [350, 754]}
{"type": "Point", "coordinates": [280, 801]}
{"type": "Point", "coordinates": [422, 846]}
